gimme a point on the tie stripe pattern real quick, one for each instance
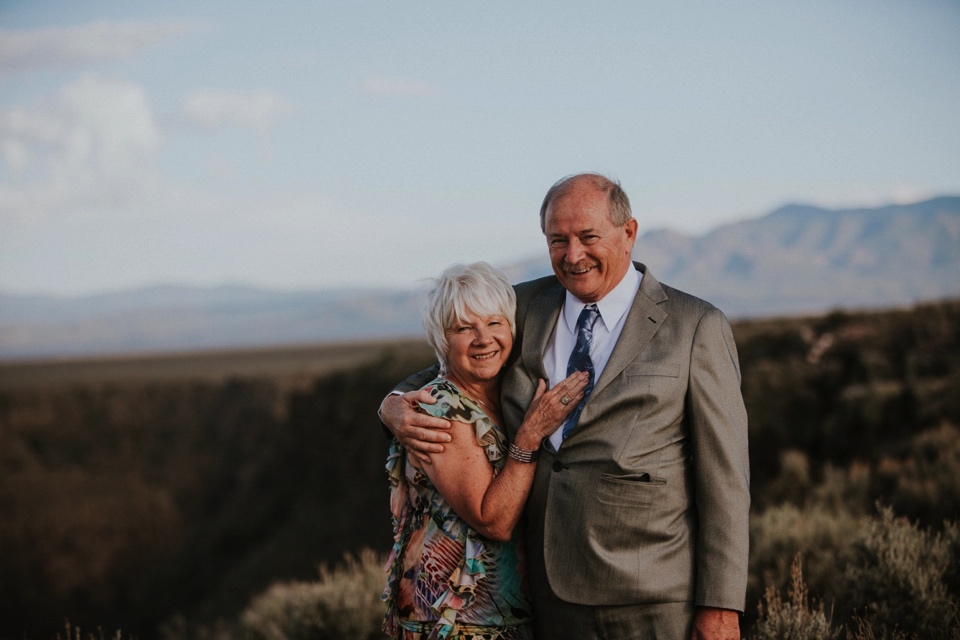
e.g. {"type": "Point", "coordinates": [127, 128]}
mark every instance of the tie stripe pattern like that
{"type": "Point", "coordinates": [580, 361]}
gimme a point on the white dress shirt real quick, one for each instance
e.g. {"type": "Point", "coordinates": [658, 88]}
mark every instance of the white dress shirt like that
{"type": "Point", "coordinates": [613, 309]}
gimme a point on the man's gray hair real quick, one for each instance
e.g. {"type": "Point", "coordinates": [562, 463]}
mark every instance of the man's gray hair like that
{"type": "Point", "coordinates": [477, 288]}
{"type": "Point", "coordinates": [619, 210]}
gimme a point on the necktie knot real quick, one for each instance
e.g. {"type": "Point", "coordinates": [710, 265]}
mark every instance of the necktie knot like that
{"type": "Point", "coordinates": [588, 318]}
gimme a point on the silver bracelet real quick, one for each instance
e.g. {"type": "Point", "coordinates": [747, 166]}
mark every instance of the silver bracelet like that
{"type": "Point", "coordinates": [523, 455]}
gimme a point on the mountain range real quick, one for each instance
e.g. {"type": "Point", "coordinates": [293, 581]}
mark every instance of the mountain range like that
{"type": "Point", "coordinates": [797, 259]}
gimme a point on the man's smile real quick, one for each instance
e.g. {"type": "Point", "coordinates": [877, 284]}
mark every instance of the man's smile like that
{"type": "Point", "coordinates": [579, 269]}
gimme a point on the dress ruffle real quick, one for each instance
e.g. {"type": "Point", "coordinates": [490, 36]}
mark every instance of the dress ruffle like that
{"type": "Point", "coordinates": [461, 587]}
{"type": "Point", "coordinates": [451, 404]}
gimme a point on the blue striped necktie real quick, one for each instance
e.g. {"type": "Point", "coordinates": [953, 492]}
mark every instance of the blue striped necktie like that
{"type": "Point", "coordinates": [580, 361]}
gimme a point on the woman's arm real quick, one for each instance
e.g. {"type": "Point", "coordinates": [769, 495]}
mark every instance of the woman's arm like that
{"type": "Point", "coordinates": [464, 477]}
{"type": "Point", "coordinates": [419, 433]}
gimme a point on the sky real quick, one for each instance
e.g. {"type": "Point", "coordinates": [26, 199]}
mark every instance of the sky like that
{"type": "Point", "coordinates": [328, 145]}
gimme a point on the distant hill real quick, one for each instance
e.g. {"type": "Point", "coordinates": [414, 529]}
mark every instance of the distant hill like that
{"type": "Point", "coordinates": [803, 259]}
{"type": "Point", "coordinates": [170, 318]}
{"type": "Point", "coordinates": [796, 259]}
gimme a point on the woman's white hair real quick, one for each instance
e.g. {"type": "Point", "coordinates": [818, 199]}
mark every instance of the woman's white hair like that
{"type": "Point", "coordinates": [477, 288]}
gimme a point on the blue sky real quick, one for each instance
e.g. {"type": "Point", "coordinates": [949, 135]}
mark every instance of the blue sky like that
{"type": "Point", "coordinates": [306, 145]}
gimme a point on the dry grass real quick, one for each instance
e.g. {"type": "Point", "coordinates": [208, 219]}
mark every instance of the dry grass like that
{"type": "Point", "coordinates": [793, 618]}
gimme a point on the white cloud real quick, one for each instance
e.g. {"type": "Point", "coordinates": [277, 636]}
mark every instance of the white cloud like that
{"type": "Point", "coordinates": [396, 86]}
{"type": "Point", "coordinates": [860, 196]}
{"type": "Point", "coordinates": [257, 111]}
{"type": "Point", "coordinates": [79, 45]}
{"type": "Point", "coordinates": [907, 194]}
{"type": "Point", "coordinates": [90, 149]}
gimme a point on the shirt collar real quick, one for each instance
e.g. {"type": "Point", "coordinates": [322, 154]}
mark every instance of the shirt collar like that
{"type": "Point", "coordinates": [612, 306]}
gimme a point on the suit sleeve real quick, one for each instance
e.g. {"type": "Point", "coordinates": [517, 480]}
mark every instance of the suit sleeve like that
{"type": "Point", "coordinates": [418, 379]}
{"type": "Point", "coordinates": [718, 428]}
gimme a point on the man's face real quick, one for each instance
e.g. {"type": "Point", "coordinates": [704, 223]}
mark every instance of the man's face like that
{"type": "Point", "coordinates": [589, 254]}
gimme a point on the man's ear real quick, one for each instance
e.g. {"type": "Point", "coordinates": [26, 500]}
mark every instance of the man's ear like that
{"type": "Point", "coordinates": [631, 229]}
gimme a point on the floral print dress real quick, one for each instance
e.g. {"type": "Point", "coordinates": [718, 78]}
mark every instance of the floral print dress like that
{"type": "Point", "coordinates": [445, 580]}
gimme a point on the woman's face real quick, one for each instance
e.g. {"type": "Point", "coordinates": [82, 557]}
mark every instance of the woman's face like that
{"type": "Point", "coordinates": [478, 347]}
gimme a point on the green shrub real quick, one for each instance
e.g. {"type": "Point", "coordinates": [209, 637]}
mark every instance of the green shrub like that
{"type": "Point", "coordinates": [791, 485]}
{"type": "Point", "coordinates": [845, 490]}
{"type": "Point", "coordinates": [781, 533]}
{"type": "Point", "coordinates": [343, 605]}
{"type": "Point", "coordinates": [895, 583]}
{"type": "Point", "coordinates": [923, 483]}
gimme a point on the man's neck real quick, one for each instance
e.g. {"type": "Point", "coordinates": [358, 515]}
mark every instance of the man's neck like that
{"type": "Point", "coordinates": [630, 267]}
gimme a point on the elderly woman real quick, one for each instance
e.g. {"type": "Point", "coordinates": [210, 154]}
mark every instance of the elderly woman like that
{"type": "Point", "coordinates": [457, 569]}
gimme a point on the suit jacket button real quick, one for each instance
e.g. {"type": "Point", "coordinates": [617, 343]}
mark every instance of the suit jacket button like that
{"type": "Point", "coordinates": [557, 465]}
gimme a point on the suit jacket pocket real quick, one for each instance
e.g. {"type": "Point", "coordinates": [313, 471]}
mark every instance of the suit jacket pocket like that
{"type": "Point", "coordinates": [653, 369]}
{"type": "Point", "coordinates": [628, 490]}
{"type": "Point", "coordinates": [618, 519]}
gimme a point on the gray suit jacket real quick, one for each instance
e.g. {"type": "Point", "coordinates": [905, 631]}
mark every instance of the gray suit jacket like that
{"type": "Point", "coordinates": [647, 501]}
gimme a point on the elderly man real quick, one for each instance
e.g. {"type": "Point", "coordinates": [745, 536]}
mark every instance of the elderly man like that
{"type": "Point", "coordinates": [636, 526]}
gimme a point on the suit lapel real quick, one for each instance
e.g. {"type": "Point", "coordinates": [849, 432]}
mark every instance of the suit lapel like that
{"type": "Point", "coordinates": [538, 325]}
{"type": "Point", "coordinates": [643, 320]}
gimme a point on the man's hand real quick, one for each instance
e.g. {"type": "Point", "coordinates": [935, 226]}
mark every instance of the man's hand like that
{"type": "Point", "coordinates": [716, 624]}
{"type": "Point", "coordinates": [419, 433]}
